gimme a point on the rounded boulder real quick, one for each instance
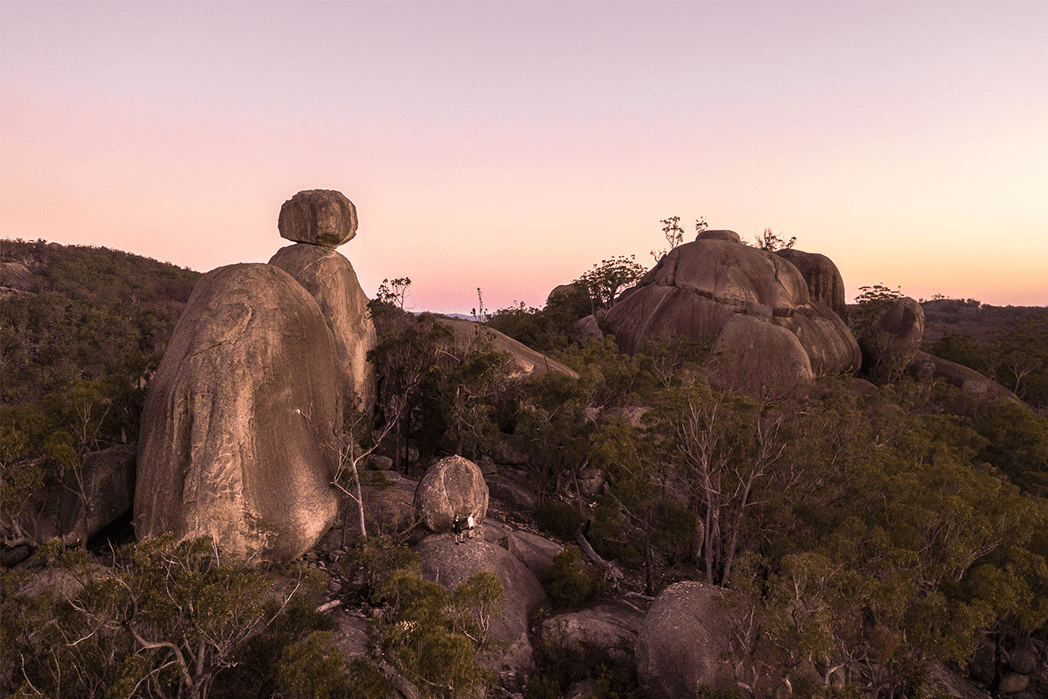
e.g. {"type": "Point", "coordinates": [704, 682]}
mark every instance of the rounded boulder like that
{"type": "Point", "coordinates": [452, 486]}
{"type": "Point", "coordinates": [682, 642]}
{"type": "Point", "coordinates": [319, 217]}
{"type": "Point", "coordinates": [329, 277]}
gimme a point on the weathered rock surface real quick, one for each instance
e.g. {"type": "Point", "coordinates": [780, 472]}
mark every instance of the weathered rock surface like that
{"type": "Point", "coordinates": [451, 564]}
{"type": "Point", "coordinates": [108, 482]}
{"type": "Point", "coordinates": [451, 486]}
{"type": "Point", "coordinates": [513, 489]}
{"type": "Point", "coordinates": [602, 631]}
{"type": "Point", "coordinates": [754, 356]}
{"type": "Point", "coordinates": [964, 378]}
{"type": "Point", "coordinates": [330, 278]}
{"type": "Point", "coordinates": [891, 341]}
{"type": "Point", "coordinates": [681, 643]}
{"type": "Point", "coordinates": [319, 217]}
{"type": "Point", "coordinates": [534, 551]}
{"type": "Point", "coordinates": [586, 330]}
{"type": "Point", "coordinates": [238, 434]}
{"type": "Point", "coordinates": [824, 280]}
{"type": "Point", "coordinates": [698, 289]}
{"type": "Point", "coordinates": [525, 361]}
{"type": "Point", "coordinates": [729, 236]}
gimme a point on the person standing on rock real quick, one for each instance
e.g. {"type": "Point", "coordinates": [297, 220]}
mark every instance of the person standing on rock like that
{"type": "Point", "coordinates": [459, 526]}
{"type": "Point", "coordinates": [462, 526]}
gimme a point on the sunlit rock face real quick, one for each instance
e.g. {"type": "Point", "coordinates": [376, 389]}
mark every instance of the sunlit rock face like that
{"type": "Point", "coordinates": [330, 279]}
{"type": "Point", "coordinates": [697, 289]}
{"type": "Point", "coordinates": [239, 432]}
{"type": "Point", "coordinates": [824, 280]}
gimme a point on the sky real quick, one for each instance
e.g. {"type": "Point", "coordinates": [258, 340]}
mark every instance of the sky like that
{"type": "Point", "coordinates": [510, 146]}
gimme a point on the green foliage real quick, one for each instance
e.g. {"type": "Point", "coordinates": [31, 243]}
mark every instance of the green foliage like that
{"type": "Point", "coordinates": [558, 518]}
{"type": "Point", "coordinates": [434, 637]}
{"type": "Point", "coordinates": [548, 328]}
{"type": "Point", "coordinates": [570, 582]}
{"type": "Point", "coordinates": [313, 670]}
{"type": "Point", "coordinates": [371, 560]}
{"type": "Point", "coordinates": [1017, 444]}
{"type": "Point", "coordinates": [771, 242]}
{"type": "Point", "coordinates": [43, 442]}
{"type": "Point", "coordinates": [1014, 355]}
{"type": "Point", "coordinates": [549, 428]}
{"type": "Point", "coordinates": [168, 620]}
{"type": "Point", "coordinates": [606, 280]}
{"type": "Point", "coordinates": [542, 687]}
{"type": "Point", "coordinates": [91, 311]}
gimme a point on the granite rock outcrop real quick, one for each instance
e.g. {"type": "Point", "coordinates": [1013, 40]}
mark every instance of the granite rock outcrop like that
{"type": "Point", "coordinates": [329, 277]}
{"type": "Point", "coordinates": [239, 432]}
{"type": "Point", "coordinates": [699, 289]}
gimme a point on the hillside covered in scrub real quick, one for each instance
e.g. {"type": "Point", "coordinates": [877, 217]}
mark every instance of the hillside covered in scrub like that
{"type": "Point", "coordinates": [869, 532]}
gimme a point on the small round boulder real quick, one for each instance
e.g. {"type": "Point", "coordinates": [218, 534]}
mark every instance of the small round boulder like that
{"type": "Point", "coordinates": [452, 486]}
{"type": "Point", "coordinates": [319, 217]}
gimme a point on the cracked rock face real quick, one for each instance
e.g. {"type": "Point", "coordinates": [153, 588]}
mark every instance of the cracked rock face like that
{"type": "Point", "coordinates": [699, 289]}
{"type": "Point", "coordinates": [319, 217]}
{"type": "Point", "coordinates": [238, 434]}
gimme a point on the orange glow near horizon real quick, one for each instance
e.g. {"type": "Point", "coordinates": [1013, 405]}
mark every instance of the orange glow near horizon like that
{"type": "Point", "coordinates": [912, 154]}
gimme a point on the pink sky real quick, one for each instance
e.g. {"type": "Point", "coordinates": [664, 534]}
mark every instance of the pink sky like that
{"type": "Point", "coordinates": [510, 146]}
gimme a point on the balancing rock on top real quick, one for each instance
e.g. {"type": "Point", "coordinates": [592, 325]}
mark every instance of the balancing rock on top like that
{"type": "Point", "coordinates": [319, 217]}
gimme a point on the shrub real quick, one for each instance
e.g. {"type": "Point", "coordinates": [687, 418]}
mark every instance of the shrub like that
{"type": "Point", "coordinates": [571, 582]}
{"type": "Point", "coordinates": [558, 518]}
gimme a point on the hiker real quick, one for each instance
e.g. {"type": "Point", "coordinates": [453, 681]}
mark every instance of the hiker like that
{"type": "Point", "coordinates": [459, 525]}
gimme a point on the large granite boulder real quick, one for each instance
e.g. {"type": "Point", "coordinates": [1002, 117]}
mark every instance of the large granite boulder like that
{"type": "Point", "coordinates": [968, 380]}
{"type": "Point", "coordinates": [319, 217]}
{"type": "Point", "coordinates": [452, 486]}
{"type": "Point", "coordinates": [892, 339]}
{"type": "Point", "coordinates": [94, 495]}
{"type": "Point", "coordinates": [682, 643]}
{"type": "Point", "coordinates": [239, 436]}
{"type": "Point", "coordinates": [450, 564]}
{"type": "Point", "coordinates": [330, 278]}
{"type": "Point", "coordinates": [603, 632]}
{"type": "Point", "coordinates": [755, 357]}
{"type": "Point", "coordinates": [824, 280]}
{"type": "Point", "coordinates": [698, 289]}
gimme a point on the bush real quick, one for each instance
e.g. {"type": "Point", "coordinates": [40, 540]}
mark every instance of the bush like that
{"type": "Point", "coordinates": [571, 582]}
{"type": "Point", "coordinates": [558, 518]}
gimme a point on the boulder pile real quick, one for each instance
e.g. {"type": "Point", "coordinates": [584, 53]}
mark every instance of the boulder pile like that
{"type": "Point", "coordinates": [241, 431]}
{"type": "Point", "coordinates": [769, 320]}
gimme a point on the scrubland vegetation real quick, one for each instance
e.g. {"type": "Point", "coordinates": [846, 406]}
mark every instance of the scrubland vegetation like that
{"type": "Point", "coordinates": [866, 533]}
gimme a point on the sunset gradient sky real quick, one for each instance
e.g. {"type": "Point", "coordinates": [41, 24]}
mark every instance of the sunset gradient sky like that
{"type": "Point", "coordinates": [512, 145]}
